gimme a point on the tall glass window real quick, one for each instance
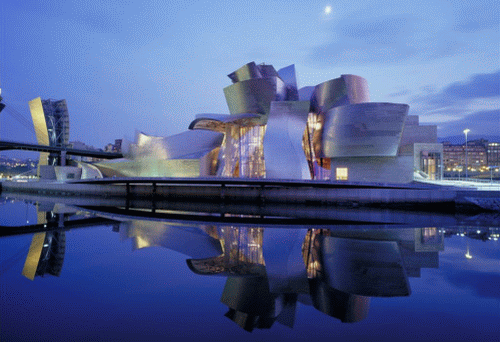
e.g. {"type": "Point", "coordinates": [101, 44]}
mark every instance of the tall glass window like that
{"type": "Point", "coordinates": [430, 163]}
{"type": "Point", "coordinates": [242, 152]}
{"type": "Point", "coordinates": [319, 167]}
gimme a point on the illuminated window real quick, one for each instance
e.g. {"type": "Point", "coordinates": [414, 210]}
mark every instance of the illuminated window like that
{"type": "Point", "coordinates": [341, 173]}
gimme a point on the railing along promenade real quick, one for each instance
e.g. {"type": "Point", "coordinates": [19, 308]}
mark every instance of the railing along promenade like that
{"type": "Point", "coordinates": [13, 145]}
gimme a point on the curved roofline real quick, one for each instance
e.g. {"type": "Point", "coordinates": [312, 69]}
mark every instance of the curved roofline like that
{"type": "Point", "coordinates": [223, 119]}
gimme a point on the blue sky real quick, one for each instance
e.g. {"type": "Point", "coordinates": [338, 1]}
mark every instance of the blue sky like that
{"type": "Point", "coordinates": [153, 66]}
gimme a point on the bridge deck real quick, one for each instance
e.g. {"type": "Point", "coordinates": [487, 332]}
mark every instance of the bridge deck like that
{"type": "Point", "coordinates": [12, 145]}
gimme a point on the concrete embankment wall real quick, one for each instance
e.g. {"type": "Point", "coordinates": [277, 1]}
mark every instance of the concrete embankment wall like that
{"type": "Point", "coordinates": [262, 193]}
{"type": "Point", "coordinates": [239, 193]}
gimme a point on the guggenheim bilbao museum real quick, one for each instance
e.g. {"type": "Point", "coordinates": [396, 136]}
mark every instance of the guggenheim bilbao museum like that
{"type": "Point", "coordinates": [330, 131]}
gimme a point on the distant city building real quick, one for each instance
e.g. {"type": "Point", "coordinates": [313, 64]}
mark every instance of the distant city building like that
{"type": "Point", "coordinates": [78, 145]}
{"type": "Point", "coordinates": [477, 156]}
{"type": "Point", "coordinates": [493, 153]}
{"type": "Point", "coordinates": [116, 147]}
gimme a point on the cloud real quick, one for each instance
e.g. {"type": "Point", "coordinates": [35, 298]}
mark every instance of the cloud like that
{"type": "Point", "coordinates": [94, 16]}
{"type": "Point", "coordinates": [381, 39]}
{"type": "Point", "coordinates": [478, 86]}
{"type": "Point", "coordinates": [400, 93]}
{"type": "Point", "coordinates": [473, 103]}
{"type": "Point", "coordinates": [381, 31]}
{"type": "Point", "coordinates": [447, 30]}
{"type": "Point", "coordinates": [473, 16]}
{"type": "Point", "coordinates": [480, 123]}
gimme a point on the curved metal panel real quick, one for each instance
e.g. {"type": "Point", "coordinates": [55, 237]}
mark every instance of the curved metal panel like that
{"type": "Point", "coordinates": [287, 74]}
{"type": "Point", "coordinates": [255, 95]}
{"type": "Point", "coordinates": [179, 155]}
{"type": "Point", "coordinates": [347, 89]}
{"type": "Point", "coordinates": [211, 122]}
{"type": "Point", "coordinates": [218, 122]}
{"type": "Point", "coordinates": [283, 152]}
{"type": "Point", "coordinates": [267, 70]}
{"type": "Point", "coordinates": [182, 145]}
{"type": "Point", "coordinates": [150, 168]}
{"type": "Point", "coordinates": [89, 170]}
{"type": "Point", "coordinates": [305, 93]}
{"type": "Point", "coordinates": [364, 130]}
{"type": "Point", "coordinates": [357, 89]}
{"type": "Point", "coordinates": [247, 72]}
{"type": "Point", "coordinates": [252, 71]}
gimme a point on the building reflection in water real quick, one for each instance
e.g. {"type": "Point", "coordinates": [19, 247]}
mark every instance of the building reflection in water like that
{"type": "Point", "coordinates": [46, 252]}
{"type": "Point", "coordinates": [270, 270]}
{"type": "Point", "coordinates": [335, 271]}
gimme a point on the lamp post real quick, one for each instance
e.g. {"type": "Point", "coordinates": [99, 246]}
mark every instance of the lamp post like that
{"type": "Point", "coordinates": [491, 172]}
{"type": "Point", "coordinates": [466, 160]}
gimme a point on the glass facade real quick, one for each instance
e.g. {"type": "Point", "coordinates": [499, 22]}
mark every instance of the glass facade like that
{"type": "Point", "coordinates": [241, 153]}
{"type": "Point", "coordinates": [319, 167]}
{"type": "Point", "coordinates": [430, 163]}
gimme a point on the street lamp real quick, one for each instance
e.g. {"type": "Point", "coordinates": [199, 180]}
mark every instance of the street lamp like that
{"type": "Point", "coordinates": [466, 161]}
{"type": "Point", "coordinates": [491, 172]}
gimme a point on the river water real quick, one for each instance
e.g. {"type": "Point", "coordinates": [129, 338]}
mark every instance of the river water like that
{"type": "Point", "coordinates": [104, 276]}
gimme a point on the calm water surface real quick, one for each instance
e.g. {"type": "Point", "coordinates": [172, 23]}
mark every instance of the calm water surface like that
{"type": "Point", "coordinates": [146, 280]}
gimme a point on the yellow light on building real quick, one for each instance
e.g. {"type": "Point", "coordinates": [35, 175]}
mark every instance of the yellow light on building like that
{"type": "Point", "coordinates": [341, 173]}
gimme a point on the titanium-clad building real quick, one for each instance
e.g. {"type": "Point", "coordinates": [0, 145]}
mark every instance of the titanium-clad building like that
{"type": "Point", "coordinates": [275, 130]}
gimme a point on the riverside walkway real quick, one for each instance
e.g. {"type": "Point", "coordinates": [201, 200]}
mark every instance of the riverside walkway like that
{"type": "Point", "coordinates": [483, 184]}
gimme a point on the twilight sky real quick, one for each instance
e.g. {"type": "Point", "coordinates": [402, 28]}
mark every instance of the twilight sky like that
{"type": "Point", "coordinates": [152, 66]}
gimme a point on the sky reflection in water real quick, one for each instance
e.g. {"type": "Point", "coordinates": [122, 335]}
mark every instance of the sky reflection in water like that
{"type": "Point", "coordinates": [109, 291]}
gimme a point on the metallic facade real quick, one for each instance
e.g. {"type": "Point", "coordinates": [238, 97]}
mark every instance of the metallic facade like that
{"type": "Point", "coordinates": [364, 130]}
{"type": "Point", "coordinates": [187, 154]}
{"type": "Point", "coordinates": [255, 95]}
{"type": "Point", "coordinates": [343, 91]}
{"type": "Point", "coordinates": [283, 151]}
{"type": "Point", "coordinates": [269, 133]}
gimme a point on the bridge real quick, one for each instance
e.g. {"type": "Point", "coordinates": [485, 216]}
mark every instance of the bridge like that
{"type": "Point", "coordinates": [59, 151]}
{"type": "Point", "coordinates": [12, 145]}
